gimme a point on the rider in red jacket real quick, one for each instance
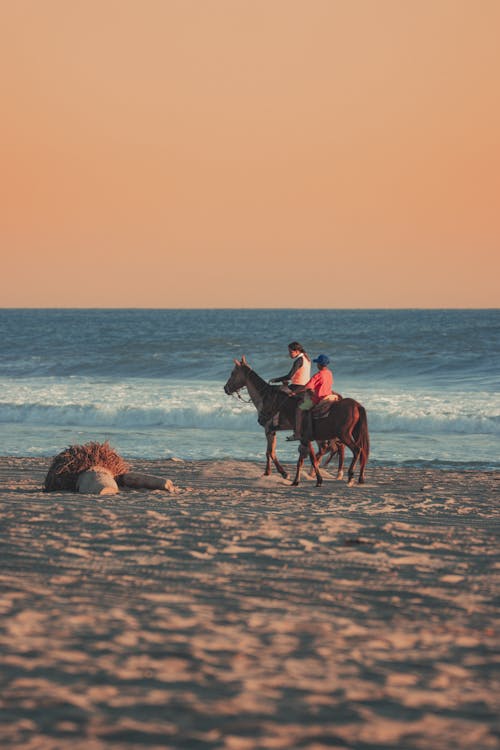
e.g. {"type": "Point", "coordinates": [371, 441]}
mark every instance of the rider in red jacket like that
{"type": "Point", "coordinates": [316, 389]}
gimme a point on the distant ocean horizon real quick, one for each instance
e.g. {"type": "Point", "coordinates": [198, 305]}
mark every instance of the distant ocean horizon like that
{"type": "Point", "coordinates": [150, 381]}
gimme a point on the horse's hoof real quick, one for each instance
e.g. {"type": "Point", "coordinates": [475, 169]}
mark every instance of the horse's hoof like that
{"type": "Point", "coordinates": [350, 483]}
{"type": "Point", "coordinates": [285, 475]}
{"type": "Point", "coordinates": [319, 483]}
{"type": "Point", "coordinates": [295, 484]}
{"type": "Point", "coordinates": [361, 480]}
{"type": "Point", "coordinates": [340, 477]}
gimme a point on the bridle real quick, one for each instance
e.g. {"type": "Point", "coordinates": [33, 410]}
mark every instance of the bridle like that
{"type": "Point", "coordinates": [238, 395]}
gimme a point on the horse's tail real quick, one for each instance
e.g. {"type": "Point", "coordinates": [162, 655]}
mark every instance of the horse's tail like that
{"type": "Point", "coordinates": [360, 433]}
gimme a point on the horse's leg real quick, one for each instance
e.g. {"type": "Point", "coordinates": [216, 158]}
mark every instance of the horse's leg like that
{"type": "Point", "coordinates": [355, 450]}
{"type": "Point", "coordinates": [332, 450]}
{"type": "Point", "coordinates": [336, 448]}
{"type": "Point", "coordinates": [350, 470]}
{"type": "Point", "coordinates": [363, 442]}
{"type": "Point", "coordinates": [322, 449]}
{"type": "Point", "coordinates": [271, 456]}
{"type": "Point", "coordinates": [300, 462]}
{"type": "Point", "coordinates": [347, 439]}
{"type": "Point", "coordinates": [358, 453]}
{"type": "Point", "coordinates": [358, 450]}
{"type": "Point", "coordinates": [315, 465]}
{"type": "Point", "coordinates": [271, 443]}
{"type": "Point", "coordinates": [340, 468]}
{"type": "Point", "coordinates": [362, 465]}
{"type": "Point", "coordinates": [346, 436]}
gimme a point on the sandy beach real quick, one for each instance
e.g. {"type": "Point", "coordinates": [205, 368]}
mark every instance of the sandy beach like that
{"type": "Point", "coordinates": [242, 613]}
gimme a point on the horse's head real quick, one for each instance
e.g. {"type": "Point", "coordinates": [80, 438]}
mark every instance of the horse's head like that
{"type": "Point", "coordinates": [238, 378]}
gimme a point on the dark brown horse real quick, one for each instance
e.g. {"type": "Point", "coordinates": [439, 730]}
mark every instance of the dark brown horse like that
{"type": "Point", "coordinates": [346, 421]}
{"type": "Point", "coordinates": [276, 411]}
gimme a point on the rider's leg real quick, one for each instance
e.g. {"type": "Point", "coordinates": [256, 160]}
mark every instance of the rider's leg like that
{"type": "Point", "coordinates": [304, 406]}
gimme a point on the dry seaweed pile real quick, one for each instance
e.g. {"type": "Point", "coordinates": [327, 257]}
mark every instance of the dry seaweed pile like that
{"type": "Point", "coordinates": [67, 465]}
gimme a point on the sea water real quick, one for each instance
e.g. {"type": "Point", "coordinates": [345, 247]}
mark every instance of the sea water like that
{"type": "Point", "coordinates": [151, 381]}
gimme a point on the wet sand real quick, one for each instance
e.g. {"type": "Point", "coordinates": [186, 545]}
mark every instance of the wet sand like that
{"type": "Point", "coordinates": [242, 613]}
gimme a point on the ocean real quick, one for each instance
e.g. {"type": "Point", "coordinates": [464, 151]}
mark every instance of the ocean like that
{"type": "Point", "coordinates": [151, 381]}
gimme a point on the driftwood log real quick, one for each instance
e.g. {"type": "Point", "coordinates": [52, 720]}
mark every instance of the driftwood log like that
{"type": "Point", "coordinates": [145, 481]}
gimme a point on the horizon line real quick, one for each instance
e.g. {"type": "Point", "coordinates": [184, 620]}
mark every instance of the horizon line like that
{"type": "Point", "coordinates": [215, 308]}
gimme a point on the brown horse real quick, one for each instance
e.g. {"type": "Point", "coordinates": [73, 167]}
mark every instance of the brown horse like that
{"type": "Point", "coordinates": [276, 411]}
{"type": "Point", "coordinates": [346, 421]}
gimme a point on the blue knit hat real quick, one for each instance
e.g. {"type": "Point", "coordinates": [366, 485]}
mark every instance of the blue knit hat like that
{"type": "Point", "coordinates": [322, 359]}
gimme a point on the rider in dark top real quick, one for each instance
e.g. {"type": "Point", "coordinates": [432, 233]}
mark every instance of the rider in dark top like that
{"type": "Point", "coordinates": [300, 370]}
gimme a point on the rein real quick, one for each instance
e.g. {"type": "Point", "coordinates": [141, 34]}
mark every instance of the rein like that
{"type": "Point", "coordinates": [238, 395]}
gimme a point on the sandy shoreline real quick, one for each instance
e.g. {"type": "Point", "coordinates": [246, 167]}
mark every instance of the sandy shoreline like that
{"type": "Point", "coordinates": [243, 613]}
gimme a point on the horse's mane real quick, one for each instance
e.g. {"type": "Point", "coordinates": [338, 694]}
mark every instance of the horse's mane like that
{"type": "Point", "coordinates": [260, 384]}
{"type": "Point", "coordinates": [273, 397]}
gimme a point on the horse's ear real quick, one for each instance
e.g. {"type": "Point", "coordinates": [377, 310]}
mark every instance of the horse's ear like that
{"type": "Point", "coordinates": [238, 364]}
{"type": "Point", "coordinates": [243, 360]}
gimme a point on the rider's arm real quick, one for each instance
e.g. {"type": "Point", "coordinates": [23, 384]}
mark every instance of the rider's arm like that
{"type": "Point", "coordinates": [285, 378]}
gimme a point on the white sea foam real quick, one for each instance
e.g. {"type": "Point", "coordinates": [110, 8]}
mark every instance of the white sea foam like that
{"type": "Point", "coordinates": [455, 412]}
{"type": "Point", "coordinates": [142, 404]}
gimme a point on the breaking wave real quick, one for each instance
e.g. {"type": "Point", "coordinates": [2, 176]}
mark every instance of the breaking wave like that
{"type": "Point", "coordinates": [214, 411]}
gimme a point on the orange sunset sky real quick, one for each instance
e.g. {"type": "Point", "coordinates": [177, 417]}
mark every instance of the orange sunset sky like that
{"type": "Point", "coordinates": [250, 153]}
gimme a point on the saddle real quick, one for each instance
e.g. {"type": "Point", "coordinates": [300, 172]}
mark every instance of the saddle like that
{"type": "Point", "coordinates": [319, 411]}
{"type": "Point", "coordinates": [322, 410]}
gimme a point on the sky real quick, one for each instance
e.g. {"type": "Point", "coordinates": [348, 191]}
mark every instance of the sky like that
{"type": "Point", "coordinates": [250, 153]}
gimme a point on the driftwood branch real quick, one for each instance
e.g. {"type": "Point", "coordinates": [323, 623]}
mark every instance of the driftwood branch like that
{"type": "Point", "coordinates": [145, 481]}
